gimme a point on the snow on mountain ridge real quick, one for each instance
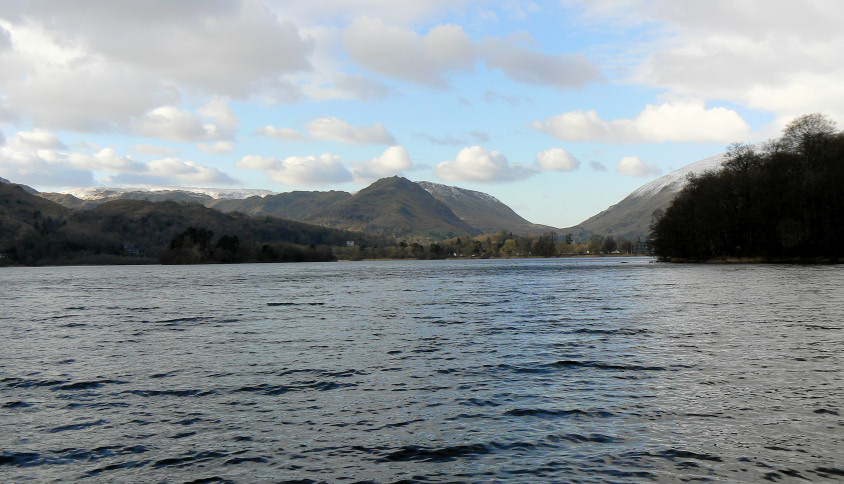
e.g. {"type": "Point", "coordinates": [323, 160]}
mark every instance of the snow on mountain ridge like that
{"type": "Point", "coordinates": [95, 193]}
{"type": "Point", "coordinates": [677, 178]}
{"type": "Point", "coordinates": [456, 192]}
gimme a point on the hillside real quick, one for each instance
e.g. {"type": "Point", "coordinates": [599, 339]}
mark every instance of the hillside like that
{"type": "Point", "coordinates": [296, 205]}
{"type": "Point", "coordinates": [425, 210]}
{"type": "Point", "coordinates": [631, 217]}
{"type": "Point", "coordinates": [395, 206]}
{"type": "Point", "coordinates": [36, 231]}
{"type": "Point", "coordinates": [25, 217]}
{"type": "Point", "coordinates": [781, 204]}
{"type": "Point", "coordinates": [482, 211]}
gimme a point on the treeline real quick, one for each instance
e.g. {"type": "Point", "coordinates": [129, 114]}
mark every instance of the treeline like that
{"type": "Point", "coordinates": [782, 202]}
{"type": "Point", "coordinates": [196, 246]}
{"type": "Point", "coordinates": [501, 245]}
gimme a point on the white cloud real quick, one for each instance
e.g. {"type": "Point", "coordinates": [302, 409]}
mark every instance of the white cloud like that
{"type": "Point", "coordinates": [148, 149]}
{"type": "Point", "coordinates": [283, 134]}
{"type": "Point", "coordinates": [333, 129]}
{"type": "Point", "coordinates": [299, 170]}
{"type": "Point", "coordinates": [36, 139]}
{"type": "Point", "coordinates": [783, 60]}
{"type": "Point", "coordinates": [37, 158]}
{"type": "Point", "coordinates": [479, 165]}
{"type": "Point", "coordinates": [406, 12]}
{"type": "Point", "coordinates": [218, 148]}
{"type": "Point", "coordinates": [171, 123]}
{"type": "Point", "coordinates": [530, 67]}
{"type": "Point", "coordinates": [95, 66]}
{"type": "Point", "coordinates": [557, 159]}
{"type": "Point", "coordinates": [634, 166]}
{"type": "Point", "coordinates": [224, 119]}
{"type": "Point", "coordinates": [214, 121]}
{"type": "Point", "coordinates": [681, 121]}
{"type": "Point", "coordinates": [402, 53]}
{"type": "Point", "coordinates": [105, 160]}
{"type": "Point", "coordinates": [187, 172]}
{"type": "Point", "coordinates": [393, 161]}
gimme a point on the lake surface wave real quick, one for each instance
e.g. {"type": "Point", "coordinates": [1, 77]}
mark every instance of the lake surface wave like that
{"type": "Point", "coordinates": [575, 370]}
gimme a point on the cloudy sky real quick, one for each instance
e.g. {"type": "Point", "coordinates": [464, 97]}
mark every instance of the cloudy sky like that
{"type": "Point", "coordinates": [558, 108]}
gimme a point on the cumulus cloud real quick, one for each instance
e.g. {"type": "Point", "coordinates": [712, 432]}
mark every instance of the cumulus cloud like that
{"type": "Point", "coordinates": [170, 123]}
{"type": "Point", "coordinates": [401, 53]}
{"type": "Point", "coordinates": [148, 149]}
{"type": "Point", "coordinates": [218, 148]}
{"type": "Point", "coordinates": [404, 54]}
{"type": "Point", "coordinates": [214, 121]}
{"type": "Point", "coordinates": [557, 159]}
{"type": "Point", "coordinates": [187, 172]}
{"type": "Point", "coordinates": [333, 129]}
{"type": "Point", "coordinates": [393, 161]}
{"type": "Point", "coordinates": [406, 12]}
{"type": "Point", "coordinates": [476, 164]}
{"type": "Point", "coordinates": [530, 67]}
{"type": "Point", "coordinates": [39, 158]}
{"type": "Point", "coordinates": [479, 165]}
{"type": "Point", "coordinates": [283, 134]}
{"type": "Point", "coordinates": [104, 160]}
{"type": "Point", "coordinates": [634, 166]}
{"type": "Point", "coordinates": [36, 139]}
{"type": "Point", "coordinates": [299, 170]}
{"type": "Point", "coordinates": [682, 121]}
{"type": "Point", "coordinates": [94, 65]}
{"type": "Point", "coordinates": [768, 59]}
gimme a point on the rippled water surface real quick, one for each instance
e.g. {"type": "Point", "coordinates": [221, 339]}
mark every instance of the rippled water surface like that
{"type": "Point", "coordinates": [587, 370]}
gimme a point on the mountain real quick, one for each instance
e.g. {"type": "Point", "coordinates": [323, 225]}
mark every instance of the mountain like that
{"type": "Point", "coordinates": [292, 205]}
{"type": "Point", "coordinates": [86, 198]}
{"type": "Point", "coordinates": [25, 188]}
{"type": "Point", "coordinates": [36, 231]}
{"type": "Point", "coordinates": [69, 201]}
{"type": "Point", "coordinates": [137, 193]}
{"type": "Point", "coordinates": [631, 217]}
{"type": "Point", "coordinates": [482, 211]}
{"type": "Point", "coordinates": [394, 206]}
{"type": "Point", "coordinates": [149, 226]}
{"type": "Point", "coordinates": [23, 214]}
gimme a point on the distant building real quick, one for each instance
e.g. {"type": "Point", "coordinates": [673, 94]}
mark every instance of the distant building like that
{"type": "Point", "coordinates": [350, 243]}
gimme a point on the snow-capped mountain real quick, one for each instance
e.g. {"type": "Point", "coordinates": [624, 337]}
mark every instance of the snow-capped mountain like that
{"type": "Point", "coordinates": [675, 180]}
{"type": "Point", "coordinates": [481, 210]}
{"type": "Point", "coordinates": [631, 217]}
{"type": "Point", "coordinates": [97, 193]}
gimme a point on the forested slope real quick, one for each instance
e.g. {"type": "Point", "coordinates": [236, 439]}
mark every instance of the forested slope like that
{"type": "Point", "coordinates": [784, 202]}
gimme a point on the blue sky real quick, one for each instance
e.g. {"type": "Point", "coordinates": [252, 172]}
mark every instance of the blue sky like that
{"type": "Point", "coordinates": [557, 108]}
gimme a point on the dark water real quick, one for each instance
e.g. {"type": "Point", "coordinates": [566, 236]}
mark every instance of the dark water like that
{"type": "Point", "coordinates": [527, 370]}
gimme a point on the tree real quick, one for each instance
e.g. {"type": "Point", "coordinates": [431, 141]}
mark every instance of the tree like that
{"type": "Point", "coordinates": [804, 128]}
{"type": "Point", "coordinates": [785, 202]}
{"type": "Point", "coordinates": [610, 245]}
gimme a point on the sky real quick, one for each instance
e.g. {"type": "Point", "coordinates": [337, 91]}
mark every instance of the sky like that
{"type": "Point", "coordinates": [558, 108]}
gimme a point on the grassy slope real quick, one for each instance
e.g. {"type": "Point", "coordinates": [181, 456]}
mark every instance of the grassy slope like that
{"type": "Point", "coordinates": [394, 206]}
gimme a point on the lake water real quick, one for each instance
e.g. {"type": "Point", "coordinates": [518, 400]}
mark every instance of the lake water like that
{"type": "Point", "coordinates": [575, 370]}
